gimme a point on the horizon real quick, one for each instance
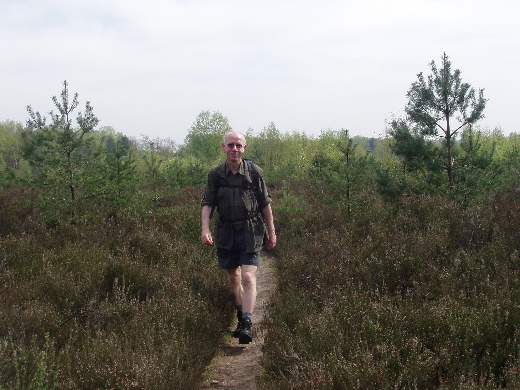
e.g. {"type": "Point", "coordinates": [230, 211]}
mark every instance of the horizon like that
{"type": "Point", "coordinates": [307, 66]}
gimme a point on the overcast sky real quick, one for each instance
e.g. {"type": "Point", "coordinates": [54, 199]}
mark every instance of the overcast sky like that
{"type": "Point", "coordinates": [150, 67]}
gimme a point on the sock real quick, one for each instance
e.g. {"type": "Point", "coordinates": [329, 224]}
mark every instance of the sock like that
{"type": "Point", "coordinates": [239, 312]}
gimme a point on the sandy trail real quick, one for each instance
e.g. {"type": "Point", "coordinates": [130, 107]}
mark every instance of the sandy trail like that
{"type": "Point", "coordinates": [239, 365]}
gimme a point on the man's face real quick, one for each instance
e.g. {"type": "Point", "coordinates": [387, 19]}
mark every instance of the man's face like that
{"type": "Point", "coordinates": [234, 147]}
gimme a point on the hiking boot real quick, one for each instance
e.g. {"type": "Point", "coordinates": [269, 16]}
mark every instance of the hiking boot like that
{"type": "Point", "coordinates": [236, 331]}
{"type": "Point", "coordinates": [245, 331]}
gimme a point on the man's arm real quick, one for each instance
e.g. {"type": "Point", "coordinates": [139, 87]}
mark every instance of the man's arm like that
{"type": "Point", "coordinates": [206, 231]}
{"type": "Point", "coordinates": [267, 212]}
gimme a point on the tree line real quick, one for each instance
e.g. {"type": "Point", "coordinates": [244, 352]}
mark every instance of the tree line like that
{"type": "Point", "coordinates": [436, 147]}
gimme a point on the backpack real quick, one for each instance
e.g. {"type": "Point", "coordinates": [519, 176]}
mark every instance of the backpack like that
{"type": "Point", "coordinates": [248, 186]}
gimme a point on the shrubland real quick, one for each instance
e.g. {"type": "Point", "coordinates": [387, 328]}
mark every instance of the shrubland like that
{"type": "Point", "coordinates": [391, 273]}
{"type": "Point", "coordinates": [123, 301]}
{"type": "Point", "coordinates": [417, 293]}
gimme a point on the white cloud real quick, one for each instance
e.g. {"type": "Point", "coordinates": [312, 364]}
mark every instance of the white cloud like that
{"type": "Point", "coordinates": [151, 67]}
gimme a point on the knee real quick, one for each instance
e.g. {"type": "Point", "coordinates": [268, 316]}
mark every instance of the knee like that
{"type": "Point", "coordinates": [248, 278]}
{"type": "Point", "coordinates": [234, 277]}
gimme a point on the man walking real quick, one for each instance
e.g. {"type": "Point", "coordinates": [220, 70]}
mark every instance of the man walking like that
{"type": "Point", "coordinates": [236, 188]}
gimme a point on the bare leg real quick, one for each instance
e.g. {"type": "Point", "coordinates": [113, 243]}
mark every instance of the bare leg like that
{"type": "Point", "coordinates": [242, 284]}
{"type": "Point", "coordinates": [248, 288]}
{"type": "Point", "coordinates": [235, 284]}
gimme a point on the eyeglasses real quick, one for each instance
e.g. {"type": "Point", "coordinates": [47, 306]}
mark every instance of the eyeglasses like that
{"type": "Point", "coordinates": [231, 146]}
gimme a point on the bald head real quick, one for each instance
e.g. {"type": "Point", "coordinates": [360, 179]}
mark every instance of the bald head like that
{"type": "Point", "coordinates": [234, 134]}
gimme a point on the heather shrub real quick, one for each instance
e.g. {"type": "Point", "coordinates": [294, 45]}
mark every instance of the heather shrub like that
{"type": "Point", "coordinates": [120, 300]}
{"type": "Point", "coordinates": [423, 294]}
{"type": "Point", "coordinates": [18, 212]}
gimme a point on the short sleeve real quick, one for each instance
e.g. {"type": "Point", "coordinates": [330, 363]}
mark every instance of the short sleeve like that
{"type": "Point", "coordinates": [210, 192]}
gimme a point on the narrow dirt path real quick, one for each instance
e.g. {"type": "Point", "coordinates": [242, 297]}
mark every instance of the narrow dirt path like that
{"type": "Point", "coordinates": [239, 365]}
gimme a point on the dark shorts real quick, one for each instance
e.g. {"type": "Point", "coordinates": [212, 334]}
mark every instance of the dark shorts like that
{"type": "Point", "coordinates": [237, 255]}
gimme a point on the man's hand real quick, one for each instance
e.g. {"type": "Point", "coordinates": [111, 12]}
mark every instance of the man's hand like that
{"type": "Point", "coordinates": [271, 242]}
{"type": "Point", "coordinates": [207, 239]}
{"type": "Point", "coordinates": [267, 212]}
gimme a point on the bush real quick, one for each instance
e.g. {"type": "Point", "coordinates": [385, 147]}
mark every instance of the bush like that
{"type": "Point", "coordinates": [19, 214]}
{"type": "Point", "coordinates": [118, 301]}
{"type": "Point", "coordinates": [415, 294]}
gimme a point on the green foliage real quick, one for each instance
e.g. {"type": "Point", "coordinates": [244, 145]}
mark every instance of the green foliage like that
{"type": "Point", "coordinates": [281, 155]}
{"type": "Point", "coordinates": [205, 136]}
{"type": "Point", "coordinates": [475, 172]}
{"type": "Point", "coordinates": [13, 167]}
{"type": "Point", "coordinates": [418, 153]}
{"type": "Point", "coordinates": [152, 162]}
{"type": "Point", "coordinates": [422, 160]}
{"type": "Point", "coordinates": [118, 183]}
{"type": "Point", "coordinates": [343, 170]}
{"type": "Point", "coordinates": [291, 210]}
{"type": "Point", "coordinates": [59, 151]}
{"type": "Point", "coordinates": [32, 366]}
{"type": "Point", "coordinates": [434, 101]}
{"type": "Point", "coordinates": [267, 149]}
{"type": "Point", "coordinates": [181, 172]}
{"type": "Point", "coordinates": [505, 166]}
{"type": "Point", "coordinates": [388, 185]}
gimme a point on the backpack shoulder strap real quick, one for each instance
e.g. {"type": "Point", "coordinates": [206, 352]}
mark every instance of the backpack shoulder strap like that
{"type": "Point", "coordinates": [252, 173]}
{"type": "Point", "coordinates": [217, 174]}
